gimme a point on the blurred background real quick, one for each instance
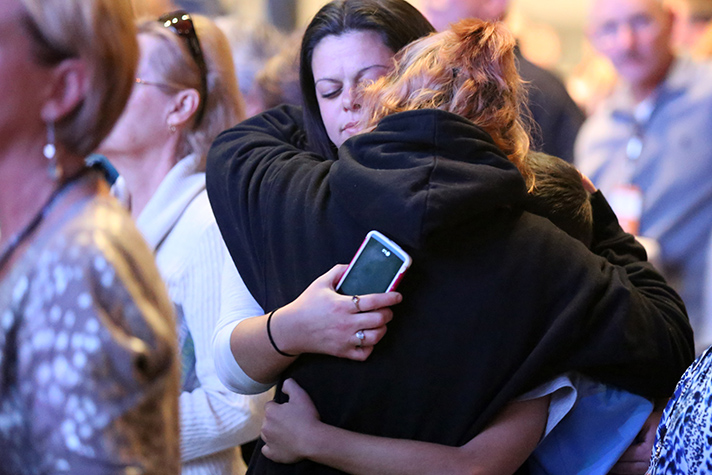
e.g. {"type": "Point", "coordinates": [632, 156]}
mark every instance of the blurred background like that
{"type": "Point", "coordinates": [551, 33]}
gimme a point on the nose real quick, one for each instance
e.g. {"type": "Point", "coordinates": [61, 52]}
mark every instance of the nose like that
{"type": "Point", "coordinates": [349, 100]}
{"type": "Point", "coordinates": [626, 37]}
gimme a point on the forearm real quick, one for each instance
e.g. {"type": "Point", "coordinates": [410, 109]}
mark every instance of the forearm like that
{"type": "Point", "coordinates": [319, 321]}
{"type": "Point", "coordinates": [254, 352]}
{"type": "Point", "coordinates": [357, 453]}
{"type": "Point", "coordinates": [500, 449]}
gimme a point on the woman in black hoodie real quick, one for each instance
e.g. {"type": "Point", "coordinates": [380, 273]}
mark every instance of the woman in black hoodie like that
{"type": "Point", "coordinates": [497, 300]}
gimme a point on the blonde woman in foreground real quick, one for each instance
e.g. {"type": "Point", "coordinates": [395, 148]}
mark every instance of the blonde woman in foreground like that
{"type": "Point", "coordinates": [88, 370]}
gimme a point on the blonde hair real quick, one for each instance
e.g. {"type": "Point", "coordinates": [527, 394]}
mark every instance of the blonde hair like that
{"type": "Point", "coordinates": [469, 70]}
{"type": "Point", "coordinates": [176, 66]}
{"type": "Point", "coordinates": [102, 34]}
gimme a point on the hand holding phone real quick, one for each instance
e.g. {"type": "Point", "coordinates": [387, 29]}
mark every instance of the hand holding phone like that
{"type": "Point", "coordinates": [377, 267]}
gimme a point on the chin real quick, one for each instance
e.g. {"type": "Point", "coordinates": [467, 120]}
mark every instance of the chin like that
{"type": "Point", "coordinates": [633, 73]}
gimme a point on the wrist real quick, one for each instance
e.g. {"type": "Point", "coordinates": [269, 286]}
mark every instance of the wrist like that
{"type": "Point", "coordinates": [293, 329]}
{"type": "Point", "coordinates": [283, 348]}
{"type": "Point", "coordinates": [314, 440]}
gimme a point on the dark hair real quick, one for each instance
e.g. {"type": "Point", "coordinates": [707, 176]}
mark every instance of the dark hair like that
{"type": "Point", "coordinates": [559, 196]}
{"type": "Point", "coordinates": [398, 23]}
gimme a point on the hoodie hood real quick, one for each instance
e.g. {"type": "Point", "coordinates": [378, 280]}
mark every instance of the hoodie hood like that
{"type": "Point", "coordinates": [424, 171]}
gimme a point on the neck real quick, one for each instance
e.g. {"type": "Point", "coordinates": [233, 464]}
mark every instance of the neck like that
{"type": "Point", "coordinates": [643, 89]}
{"type": "Point", "coordinates": [22, 194]}
{"type": "Point", "coordinates": [25, 192]}
{"type": "Point", "coordinates": [143, 174]}
{"type": "Point", "coordinates": [25, 185]}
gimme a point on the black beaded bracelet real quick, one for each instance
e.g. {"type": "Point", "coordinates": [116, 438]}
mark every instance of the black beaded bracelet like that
{"type": "Point", "coordinates": [271, 340]}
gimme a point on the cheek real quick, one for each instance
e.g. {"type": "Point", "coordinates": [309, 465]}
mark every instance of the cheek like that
{"type": "Point", "coordinates": [140, 123]}
{"type": "Point", "coordinates": [329, 115]}
{"type": "Point", "coordinates": [130, 115]}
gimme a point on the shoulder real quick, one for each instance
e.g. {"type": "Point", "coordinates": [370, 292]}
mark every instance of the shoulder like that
{"type": "Point", "coordinates": [194, 245]}
{"type": "Point", "coordinates": [106, 288]}
{"type": "Point", "coordinates": [196, 221]}
{"type": "Point", "coordinates": [697, 75]}
{"type": "Point", "coordinates": [283, 124]}
{"type": "Point", "coordinates": [686, 427]}
{"type": "Point", "coordinates": [699, 93]}
{"type": "Point", "coordinates": [104, 232]}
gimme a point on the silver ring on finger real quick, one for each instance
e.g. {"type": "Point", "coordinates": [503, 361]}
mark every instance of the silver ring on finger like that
{"type": "Point", "coordinates": [361, 336]}
{"type": "Point", "coordinates": [355, 299]}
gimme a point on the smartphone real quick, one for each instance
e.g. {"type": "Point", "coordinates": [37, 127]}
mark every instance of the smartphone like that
{"type": "Point", "coordinates": [377, 267]}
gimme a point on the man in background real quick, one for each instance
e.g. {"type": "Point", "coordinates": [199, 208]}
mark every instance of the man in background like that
{"type": "Point", "coordinates": [647, 147]}
{"type": "Point", "coordinates": [557, 116]}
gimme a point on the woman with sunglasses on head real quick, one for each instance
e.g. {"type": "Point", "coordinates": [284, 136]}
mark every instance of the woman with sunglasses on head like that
{"type": "Point", "coordinates": [88, 367]}
{"type": "Point", "coordinates": [185, 93]}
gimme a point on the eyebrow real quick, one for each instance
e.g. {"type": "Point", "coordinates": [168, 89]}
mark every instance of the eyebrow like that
{"type": "Point", "coordinates": [358, 74]}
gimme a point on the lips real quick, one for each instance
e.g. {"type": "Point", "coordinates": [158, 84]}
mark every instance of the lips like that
{"type": "Point", "coordinates": [350, 127]}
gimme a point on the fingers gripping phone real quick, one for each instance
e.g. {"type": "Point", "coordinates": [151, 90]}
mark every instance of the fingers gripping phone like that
{"type": "Point", "coordinates": [377, 267]}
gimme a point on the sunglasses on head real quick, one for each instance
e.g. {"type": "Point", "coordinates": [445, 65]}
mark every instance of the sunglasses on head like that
{"type": "Point", "coordinates": [180, 23]}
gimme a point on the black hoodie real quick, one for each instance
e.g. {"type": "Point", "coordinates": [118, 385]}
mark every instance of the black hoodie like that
{"type": "Point", "coordinates": [497, 300]}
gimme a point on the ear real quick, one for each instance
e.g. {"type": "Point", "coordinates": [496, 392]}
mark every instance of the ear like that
{"type": "Point", "coordinates": [185, 105]}
{"type": "Point", "coordinates": [67, 89]}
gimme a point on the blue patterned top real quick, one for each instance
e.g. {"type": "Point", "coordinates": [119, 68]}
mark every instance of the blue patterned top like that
{"type": "Point", "coordinates": [683, 443]}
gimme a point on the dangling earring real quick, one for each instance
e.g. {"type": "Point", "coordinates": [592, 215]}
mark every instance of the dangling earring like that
{"type": "Point", "coordinates": [50, 153]}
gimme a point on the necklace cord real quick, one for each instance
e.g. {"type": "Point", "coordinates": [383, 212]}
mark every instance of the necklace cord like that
{"type": "Point", "coordinates": [24, 233]}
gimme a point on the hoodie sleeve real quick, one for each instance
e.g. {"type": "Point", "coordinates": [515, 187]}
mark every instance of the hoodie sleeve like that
{"type": "Point", "coordinates": [672, 328]}
{"type": "Point", "coordinates": [625, 325]}
{"type": "Point", "coordinates": [257, 173]}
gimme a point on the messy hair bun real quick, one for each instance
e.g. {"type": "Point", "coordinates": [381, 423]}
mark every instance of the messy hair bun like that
{"type": "Point", "coordinates": [469, 70]}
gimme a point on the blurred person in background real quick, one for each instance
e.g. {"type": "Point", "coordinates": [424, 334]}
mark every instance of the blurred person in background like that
{"type": "Point", "coordinates": [89, 374]}
{"type": "Point", "coordinates": [278, 81]}
{"type": "Point", "coordinates": [690, 20]}
{"type": "Point", "coordinates": [185, 93]}
{"type": "Point", "coordinates": [556, 115]}
{"type": "Point", "coordinates": [646, 146]}
{"type": "Point", "coordinates": [702, 50]}
{"type": "Point", "coordinates": [253, 43]}
{"type": "Point", "coordinates": [592, 80]}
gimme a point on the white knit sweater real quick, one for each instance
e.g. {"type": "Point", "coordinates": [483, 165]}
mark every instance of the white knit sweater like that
{"type": "Point", "coordinates": [179, 226]}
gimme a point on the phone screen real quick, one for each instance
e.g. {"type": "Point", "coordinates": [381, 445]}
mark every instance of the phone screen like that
{"type": "Point", "coordinates": [373, 271]}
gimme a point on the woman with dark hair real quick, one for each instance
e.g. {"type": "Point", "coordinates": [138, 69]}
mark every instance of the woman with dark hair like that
{"type": "Point", "coordinates": [321, 321]}
{"type": "Point", "coordinates": [395, 23]}
{"type": "Point", "coordinates": [496, 297]}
